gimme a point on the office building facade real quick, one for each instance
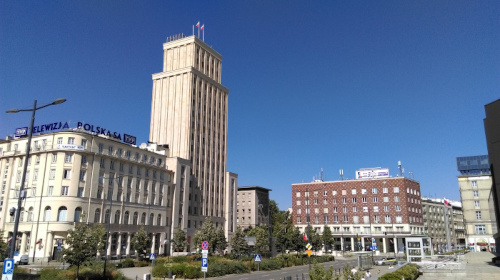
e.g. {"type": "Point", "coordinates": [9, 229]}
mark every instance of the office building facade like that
{"type": "Point", "coordinates": [189, 113]}
{"type": "Point", "coordinates": [435, 223]}
{"type": "Point", "coordinates": [361, 211]}
{"type": "Point", "coordinates": [252, 206]}
{"type": "Point", "coordinates": [475, 185]}
{"type": "Point", "coordinates": [492, 130]}
{"type": "Point", "coordinates": [77, 176]}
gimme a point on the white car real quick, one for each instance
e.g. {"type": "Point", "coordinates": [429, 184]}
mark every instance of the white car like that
{"type": "Point", "coordinates": [21, 259]}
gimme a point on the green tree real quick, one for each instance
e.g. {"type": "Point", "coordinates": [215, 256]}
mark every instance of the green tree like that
{"type": "Point", "coordinates": [261, 235]}
{"type": "Point", "coordinates": [239, 245]}
{"type": "Point", "coordinates": [179, 241]}
{"type": "Point", "coordinates": [141, 242]}
{"type": "Point", "coordinates": [314, 238]}
{"type": "Point", "coordinates": [327, 238]}
{"type": "Point", "coordinates": [3, 246]}
{"type": "Point", "coordinates": [206, 233]}
{"type": "Point", "coordinates": [220, 242]}
{"type": "Point", "coordinates": [83, 244]}
{"type": "Point", "coordinates": [319, 273]}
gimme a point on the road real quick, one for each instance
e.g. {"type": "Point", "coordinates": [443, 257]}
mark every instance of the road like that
{"type": "Point", "coordinates": [294, 272]}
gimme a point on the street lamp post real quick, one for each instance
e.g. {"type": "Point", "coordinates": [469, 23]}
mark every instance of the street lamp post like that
{"type": "Point", "coordinates": [25, 168]}
{"type": "Point", "coordinates": [110, 196]}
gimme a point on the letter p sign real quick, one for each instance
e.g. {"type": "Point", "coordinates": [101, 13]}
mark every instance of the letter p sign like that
{"type": "Point", "coordinates": [8, 269]}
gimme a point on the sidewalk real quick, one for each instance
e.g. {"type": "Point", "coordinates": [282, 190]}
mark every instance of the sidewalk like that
{"type": "Point", "coordinates": [478, 267]}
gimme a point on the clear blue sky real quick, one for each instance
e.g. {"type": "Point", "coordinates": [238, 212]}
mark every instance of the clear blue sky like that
{"type": "Point", "coordinates": [313, 84]}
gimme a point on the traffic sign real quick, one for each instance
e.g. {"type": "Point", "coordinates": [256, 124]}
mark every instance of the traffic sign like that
{"type": "Point", "coordinates": [308, 246]}
{"type": "Point", "coordinates": [257, 258]}
{"type": "Point", "coordinates": [204, 245]}
{"type": "Point", "coordinates": [204, 253]}
{"type": "Point", "coordinates": [152, 256]}
{"type": "Point", "coordinates": [309, 252]}
{"type": "Point", "coordinates": [8, 269]}
{"type": "Point", "coordinates": [204, 264]}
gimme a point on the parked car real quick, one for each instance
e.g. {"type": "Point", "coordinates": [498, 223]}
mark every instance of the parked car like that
{"type": "Point", "coordinates": [384, 261]}
{"type": "Point", "coordinates": [21, 259]}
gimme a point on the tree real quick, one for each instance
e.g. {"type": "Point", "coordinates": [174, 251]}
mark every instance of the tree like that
{"type": "Point", "coordinates": [83, 244]}
{"type": "Point", "coordinates": [327, 238]}
{"type": "Point", "coordinates": [220, 242]}
{"type": "Point", "coordinates": [3, 246]}
{"type": "Point", "coordinates": [261, 235]}
{"type": "Point", "coordinates": [206, 233]}
{"type": "Point", "coordinates": [238, 243]}
{"type": "Point", "coordinates": [319, 273]}
{"type": "Point", "coordinates": [179, 241]}
{"type": "Point", "coordinates": [314, 238]}
{"type": "Point", "coordinates": [141, 242]}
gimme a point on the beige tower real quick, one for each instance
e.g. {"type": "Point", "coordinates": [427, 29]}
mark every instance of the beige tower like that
{"type": "Point", "coordinates": [189, 113]}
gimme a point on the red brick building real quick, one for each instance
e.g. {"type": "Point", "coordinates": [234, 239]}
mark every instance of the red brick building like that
{"type": "Point", "coordinates": [361, 212]}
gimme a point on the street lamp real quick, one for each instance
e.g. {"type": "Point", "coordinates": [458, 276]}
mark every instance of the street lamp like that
{"type": "Point", "coordinates": [23, 179]}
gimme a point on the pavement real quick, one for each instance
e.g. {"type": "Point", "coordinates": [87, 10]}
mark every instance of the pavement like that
{"type": "Point", "coordinates": [478, 266]}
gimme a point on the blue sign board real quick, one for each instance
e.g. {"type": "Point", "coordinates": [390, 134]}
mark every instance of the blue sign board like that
{"type": "Point", "coordinates": [257, 258]}
{"type": "Point", "coordinates": [8, 269]}
{"type": "Point", "coordinates": [204, 264]}
{"type": "Point", "coordinates": [152, 256]}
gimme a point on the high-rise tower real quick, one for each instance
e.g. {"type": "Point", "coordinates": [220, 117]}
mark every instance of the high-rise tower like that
{"type": "Point", "coordinates": [189, 113]}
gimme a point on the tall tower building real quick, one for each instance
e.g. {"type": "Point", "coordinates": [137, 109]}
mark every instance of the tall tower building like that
{"type": "Point", "coordinates": [189, 114]}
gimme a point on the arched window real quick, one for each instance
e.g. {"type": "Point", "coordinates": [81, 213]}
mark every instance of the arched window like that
{"type": "Point", "coordinates": [143, 219]}
{"type": "Point", "coordinates": [106, 216]}
{"type": "Point", "coordinates": [78, 214]}
{"type": "Point", "coordinates": [30, 214]}
{"type": "Point", "coordinates": [136, 216]}
{"type": "Point", "coordinates": [151, 219]}
{"type": "Point", "coordinates": [97, 215]}
{"type": "Point", "coordinates": [21, 215]}
{"type": "Point", "coordinates": [158, 220]}
{"type": "Point", "coordinates": [46, 216]}
{"type": "Point", "coordinates": [125, 218]}
{"type": "Point", "coordinates": [117, 217]}
{"type": "Point", "coordinates": [61, 214]}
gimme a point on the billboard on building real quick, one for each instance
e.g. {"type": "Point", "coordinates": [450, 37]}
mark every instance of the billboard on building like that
{"type": "Point", "coordinates": [372, 173]}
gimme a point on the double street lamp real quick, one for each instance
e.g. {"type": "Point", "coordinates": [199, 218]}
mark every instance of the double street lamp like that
{"type": "Point", "coordinates": [23, 179]}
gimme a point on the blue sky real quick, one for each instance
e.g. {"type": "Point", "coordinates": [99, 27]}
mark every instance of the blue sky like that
{"type": "Point", "coordinates": [313, 84]}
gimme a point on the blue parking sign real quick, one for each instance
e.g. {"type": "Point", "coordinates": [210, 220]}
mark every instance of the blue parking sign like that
{"type": "Point", "coordinates": [8, 269]}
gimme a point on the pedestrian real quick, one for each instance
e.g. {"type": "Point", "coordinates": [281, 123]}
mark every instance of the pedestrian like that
{"type": "Point", "coordinates": [368, 274]}
{"type": "Point", "coordinates": [354, 270]}
{"type": "Point", "coordinates": [378, 272]}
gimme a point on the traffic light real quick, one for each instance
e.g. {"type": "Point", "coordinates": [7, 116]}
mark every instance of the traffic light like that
{"type": "Point", "coordinates": [12, 211]}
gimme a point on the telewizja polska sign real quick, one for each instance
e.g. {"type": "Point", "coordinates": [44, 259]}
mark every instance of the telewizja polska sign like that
{"type": "Point", "coordinates": [128, 139]}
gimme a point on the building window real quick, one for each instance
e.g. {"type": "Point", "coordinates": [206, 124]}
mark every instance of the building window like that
{"type": "Point", "coordinates": [374, 190]}
{"type": "Point", "coordinates": [364, 199]}
{"type": "Point", "coordinates": [375, 199]}
{"type": "Point", "coordinates": [334, 192]}
{"type": "Point", "coordinates": [84, 159]}
{"type": "Point", "coordinates": [71, 140]}
{"type": "Point", "coordinates": [385, 190]}
{"type": "Point", "coordinates": [54, 158]}
{"type": "Point", "coordinates": [474, 184]}
{"type": "Point", "coordinates": [480, 229]}
{"type": "Point", "coordinates": [354, 209]}
{"type": "Point", "coordinates": [82, 175]}
{"type": "Point", "coordinates": [97, 215]}
{"type": "Point", "coordinates": [354, 200]}
{"type": "Point", "coordinates": [344, 200]}
{"type": "Point", "coordinates": [78, 214]}
{"type": "Point", "coordinates": [67, 174]}
{"type": "Point", "coordinates": [80, 192]}
{"type": "Point", "coordinates": [386, 199]}
{"type": "Point", "coordinates": [396, 199]}
{"type": "Point", "coordinates": [46, 216]}
{"type": "Point", "coordinates": [61, 214]}
{"type": "Point", "coordinates": [50, 191]}
{"type": "Point", "coordinates": [84, 143]}
{"type": "Point", "coordinates": [386, 208]}
{"type": "Point", "coordinates": [475, 193]}
{"type": "Point", "coordinates": [59, 140]}
{"type": "Point", "coordinates": [476, 203]}
{"type": "Point", "coordinates": [478, 215]}
{"type": "Point", "coordinates": [101, 148]}
{"type": "Point", "coordinates": [353, 191]}
{"type": "Point", "coordinates": [64, 190]}
{"type": "Point", "coordinates": [297, 194]}
{"type": "Point", "coordinates": [375, 208]}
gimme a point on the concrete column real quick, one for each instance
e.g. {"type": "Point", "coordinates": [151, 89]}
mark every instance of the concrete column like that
{"type": "Point", "coordinates": [384, 244]}
{"type": "Point", "coordinates": [395, 245]}
{"type": "Point", "coordinates": [153, 242]}
{"type": "Point", "coordinates": [342, 244]}
{"type": "Point", "coordinates": [49, 246]}
{"type": "Point", "coordinates": [363, 243]}
{"type": "Point", "coordinates": [127, 251]}
{"type": "Point", "coordinates": [24, 240]}
{"type": "Point", "coordinates": [119, 245]}
{"type": "Point", "coordinates": [108, 251]}
{"type": "Point", "coordinates": [352, 243]}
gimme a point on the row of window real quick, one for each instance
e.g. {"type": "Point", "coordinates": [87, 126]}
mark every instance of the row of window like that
{"type": "Point", "coordinates": [365, 209]}
{"type": "Point", "coordinates": [355, 219]}
{"type": "Point", "coordinates": [363, 191]}
{"type": "Point", "coordinates": [62, 215]}
{"type": "Point", "coordinates": [354, 200]}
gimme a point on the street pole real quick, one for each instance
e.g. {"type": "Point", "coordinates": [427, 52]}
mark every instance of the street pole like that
{"type": "Point", "coordinates": [109, 228]}
{"type": "Point", "coordinates": [25, 168]}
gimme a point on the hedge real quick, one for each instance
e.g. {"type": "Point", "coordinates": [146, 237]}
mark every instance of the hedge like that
{"type": "Point", "coordinates": [408, 272]}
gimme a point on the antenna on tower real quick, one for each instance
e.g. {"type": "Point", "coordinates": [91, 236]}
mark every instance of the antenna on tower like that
{"type": "Point", "coordinates": [341, 172]}
{"type": "Point", "coordinates": [401, 169]}
{"type": "Point", "coordinates": [321, 175]}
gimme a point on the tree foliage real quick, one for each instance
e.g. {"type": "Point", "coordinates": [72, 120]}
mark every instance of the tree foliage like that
{"type": "Point", "coordinates": [261, 235]}
{"type": "Point", "coordinates": [220, 243]}
{"type": "Point", "coordinates": [3, 246]}
{"type": "Point", "coordinates": [141, 242]}
{"type": "Point", "coordinates": [314, 238]}
{"type": "Point", "coordinates": [319, 273]}
{"type": "Point", "coordinates": [239, 245]}
{"type": "Point", "coordinates": [327, 238]}
{"type": "Point", "coordinates": [83, 243]}
{"type": "Point", "coordinates": [179, 241]}
{"type": "Point", "coordinates": [206, 233]}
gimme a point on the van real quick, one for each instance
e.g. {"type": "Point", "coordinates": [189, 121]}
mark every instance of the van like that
{"type": "Point", "coordinates": [22, 259]}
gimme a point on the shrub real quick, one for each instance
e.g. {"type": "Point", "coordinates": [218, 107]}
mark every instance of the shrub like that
{"type": "Point", "coordinates": [408, 272]}
{"type": "Point", "coordinates": [180, 259]}
{"type": "Point", "coordinates": [161, 270]}
{"type": "Point", "coordinates": [270, 264]}
{"type": "Point", "coordinates": [128, 262]}
{"type": "Point", "coordinates": [141, 263]}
